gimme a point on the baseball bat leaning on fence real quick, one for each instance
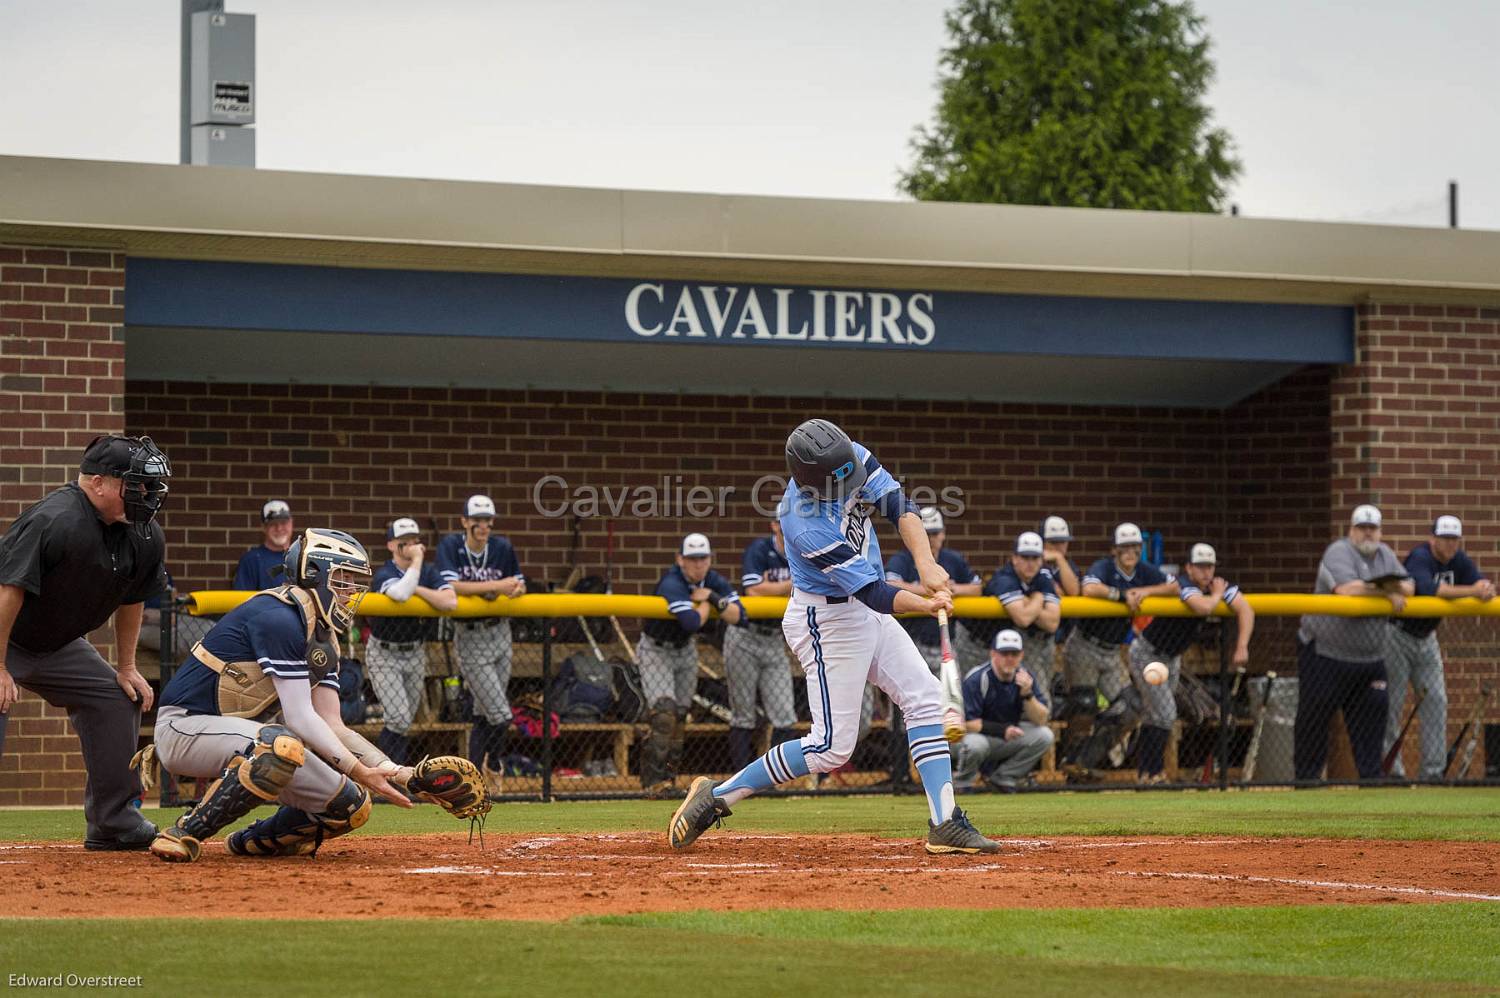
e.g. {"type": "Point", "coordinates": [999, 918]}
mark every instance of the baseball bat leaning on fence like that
{"type": "Point", "coordinates": [953, 691]}
{"type": "Point", "coordinates": [716, 709]}
{"type": "Point", "coordinates": [1391, 756]}
{"type": "Point", "coordinates": [1469, 722]}
{"type": "Point", "coordinates": [1472, 727]}
{"type": "Point", "coordinates": [1234, 691]}
{"type": "Point", "coordinates": [1252, 754]}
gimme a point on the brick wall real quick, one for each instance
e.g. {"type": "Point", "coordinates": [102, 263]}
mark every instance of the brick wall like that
{"type": "Point", "coordinates": [62, 375]}
{"type": "Point", "coordinates": [357, 457]}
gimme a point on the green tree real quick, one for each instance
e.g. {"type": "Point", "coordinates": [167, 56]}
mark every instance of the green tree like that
{"type": "Point", "coordinates": [1090, 103]}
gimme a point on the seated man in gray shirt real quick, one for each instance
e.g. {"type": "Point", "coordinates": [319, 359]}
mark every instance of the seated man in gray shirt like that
{"type": "Point", "coordinates": [1341, 660]}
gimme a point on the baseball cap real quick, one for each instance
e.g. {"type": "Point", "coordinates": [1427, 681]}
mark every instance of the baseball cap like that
{"type": "Point", "coordinates": [932, 520]}
{"type": "Point", "coordinates": [1203, 554]}
{"type": "Point", "coordinates": [1447, 526]}
{"type": "Point", "coordinates": [695, 546]}
{"type": "Point", "coordinates": [1365, 515]}
{"type": "Point", "coordinates": [479, 506]}
{"type": "Point", "coordinates": [1029, 543]}
{"type": "Point", "coordinates": [1055, 528]}
{"type": "Point", "coordinates": [107, 455]}
{"type": "Point", "coordinates": [1127, 533]}
{"type": "Point", "coordinates": [275, 509]}
{"type": "Point", "coordinates": [404, 527]}
{"type": "Point", "coordinates": [1007, 640]}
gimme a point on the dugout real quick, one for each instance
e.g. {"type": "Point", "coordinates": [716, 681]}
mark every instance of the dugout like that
{"type": "Point", "coordinates": [370, 347]}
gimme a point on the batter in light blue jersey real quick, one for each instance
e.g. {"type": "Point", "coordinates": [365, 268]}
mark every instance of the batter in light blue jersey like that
{"type": "Point", "coordinates": [839, 623]}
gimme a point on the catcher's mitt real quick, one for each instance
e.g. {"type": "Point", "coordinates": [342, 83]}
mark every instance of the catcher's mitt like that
{"type": "Point", "coordinates": [454, 784]}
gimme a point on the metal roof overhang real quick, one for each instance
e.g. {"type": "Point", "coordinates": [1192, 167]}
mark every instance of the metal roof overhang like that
{"type": "Point", "coordinates": [258, 216]}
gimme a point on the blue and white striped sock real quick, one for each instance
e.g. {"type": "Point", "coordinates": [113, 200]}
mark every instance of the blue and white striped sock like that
{"type": "Point", "coordinates": [782, 764]}
{"type": "Point", "coordinates": [929, 753]}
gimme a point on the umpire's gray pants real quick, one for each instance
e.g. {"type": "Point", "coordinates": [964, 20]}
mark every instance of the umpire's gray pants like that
{"type": "Point", "coordinates": [668, 673]}
{"type": "Point", "coordinates": [397, 678]}
{"type": "Point", "coordinates": [1088, 663]}
{"type": "Point", "coordinates": [1158, 703]}
{"type": "Point", "coordinates": [484, 663]}
{"type": "Point", "coordinates": [1417, 661]}
{"type": "Point", "coordinates": [755, 660]}
{"type": "Point", "coordinates": [201, 745]}
{"type": "Point", "coordinates": [77, 679]}
{"type": "Point", "coordinates": [1012, 759]}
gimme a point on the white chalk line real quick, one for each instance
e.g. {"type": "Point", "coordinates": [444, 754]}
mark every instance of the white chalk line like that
{"type": "Point", "coordinates": [1297, 882]}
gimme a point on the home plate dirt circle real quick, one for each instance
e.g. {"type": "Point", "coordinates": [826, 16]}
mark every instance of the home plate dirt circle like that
{"type": "Point", "coordinates": [557, 876]}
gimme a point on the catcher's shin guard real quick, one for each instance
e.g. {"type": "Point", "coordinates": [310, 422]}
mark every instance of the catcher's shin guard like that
{"type": "Point", "coordinates": [656, 750]}
{"type": "Point", "coordinates": [294, 832]}
{"type": "Point", "coordinates": [245, 784]}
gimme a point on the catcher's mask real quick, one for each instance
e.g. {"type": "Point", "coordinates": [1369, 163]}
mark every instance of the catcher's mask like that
{"type": "Point", "coordinates": [143, 471]}
{"type": "Point", "coordinates": [334, 567]}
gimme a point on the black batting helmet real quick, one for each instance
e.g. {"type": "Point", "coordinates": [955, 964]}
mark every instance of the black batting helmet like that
{"type": "Point", "coordinates": [821, 459]}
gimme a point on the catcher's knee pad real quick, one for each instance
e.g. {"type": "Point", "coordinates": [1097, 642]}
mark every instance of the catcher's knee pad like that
{"type": "Point", "coordinates": [246, 783]}
{"type": "Point", "coordinates": [293, 832]}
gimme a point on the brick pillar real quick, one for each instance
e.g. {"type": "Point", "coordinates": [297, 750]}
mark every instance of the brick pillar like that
{"type": "Point", "coordinates": [62, 382]}
{"type": "Point", "coordinates": [1416, 430]}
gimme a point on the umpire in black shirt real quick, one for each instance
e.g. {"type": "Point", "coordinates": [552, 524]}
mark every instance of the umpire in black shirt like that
{"type": "Point", "coordinates": [85, 552]}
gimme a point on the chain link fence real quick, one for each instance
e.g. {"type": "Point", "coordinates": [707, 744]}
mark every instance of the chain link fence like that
{"type": "Point", "coordinates": [586, 706]}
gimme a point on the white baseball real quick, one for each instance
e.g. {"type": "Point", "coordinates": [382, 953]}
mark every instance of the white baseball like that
{"type": "Point", "coordinates": [1155, 673]}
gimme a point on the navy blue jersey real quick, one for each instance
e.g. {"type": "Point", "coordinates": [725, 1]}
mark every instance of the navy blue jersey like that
{"type": "Point", "coordinates": [1006, 586]}
{"type": "Point", "coordinates": [1174, 635]}
{"type": "Point", "coordinates": [262, 629]}
{"type": "Point", "coordinates": [677, 591]}
{"type": "Point", "coordinates": [456, 563]}
{"type": "Point", "coordinates": [903, 568]}
{"type": "Point", "coordinates": [989, 698]}
{"type": "Point", "coordinates": [1428, 573]}
{"type": "Point", "coordinates": [253, 573]}
{"type": "Point", "coordinates": [402, 629]}
{"type": "Point", "coordinates": [1112, 630]}
{"type": "Point", "coordinates": [763, 563]}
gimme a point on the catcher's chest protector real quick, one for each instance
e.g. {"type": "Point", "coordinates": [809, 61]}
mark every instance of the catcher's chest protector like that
{"type": "Point", "coordinates": [244, 690]}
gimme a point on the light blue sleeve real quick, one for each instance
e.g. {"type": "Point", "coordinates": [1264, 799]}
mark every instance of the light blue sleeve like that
{"type": "Point", "coordinates": [879, 481]}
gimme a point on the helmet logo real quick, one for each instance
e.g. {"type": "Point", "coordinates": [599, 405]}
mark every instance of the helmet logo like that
{"type": "Point", "coordinates": [843, 471]}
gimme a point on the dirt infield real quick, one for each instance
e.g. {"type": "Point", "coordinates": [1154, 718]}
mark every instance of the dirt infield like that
{"type": "Point", "coordinates": [556, 876]}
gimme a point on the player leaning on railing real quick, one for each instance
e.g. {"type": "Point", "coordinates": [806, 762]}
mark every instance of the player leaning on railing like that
{"type": "Point", "coordinates": [839, 622]}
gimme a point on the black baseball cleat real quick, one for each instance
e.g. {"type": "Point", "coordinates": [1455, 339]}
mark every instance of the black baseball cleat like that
{"type": "Point", "coordinates": [701, 810]}
{"type": "Point", "coordinates": [138, 838]}
{"type": "Point", "coordinates": [957, 835]}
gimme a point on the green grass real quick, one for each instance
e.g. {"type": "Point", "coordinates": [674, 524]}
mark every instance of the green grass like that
{"type": "Point", "coordinates": [1403, 949]}
{"type": "Point", "coordinates": [1470, 814]}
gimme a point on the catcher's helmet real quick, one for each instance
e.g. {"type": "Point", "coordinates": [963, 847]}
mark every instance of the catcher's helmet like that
{"type": "Point", "coordinates": [311, 562]}
{"type": "Point", "coordinates": [822, 460]}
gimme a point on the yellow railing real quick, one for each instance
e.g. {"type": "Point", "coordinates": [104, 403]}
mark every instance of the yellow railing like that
{"type": "Point", "coordinates": [217, 602]}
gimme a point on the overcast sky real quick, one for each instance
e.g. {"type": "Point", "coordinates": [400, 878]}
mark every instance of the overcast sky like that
{"type": "Point", "coordinates": [1359, 111]}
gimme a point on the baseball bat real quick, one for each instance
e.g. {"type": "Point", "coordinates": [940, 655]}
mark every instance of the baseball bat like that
{"type": "Point", "coordinates": [1234, 691]}
{"type": "Point", "coordinates": [1252, 754]}
{"type": "Point", "coordinates": [953, 692]}
{"type": "Point", "coordinates": [1389, 761]}
{"type": "Point", "coordinates": [1469, 722]}
{"type": "Point", "coordinates": [1466, 758]}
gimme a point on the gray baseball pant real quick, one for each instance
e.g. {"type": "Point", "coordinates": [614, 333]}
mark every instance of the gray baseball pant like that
{"type": "Point", "coordinates": [755, 660]}
{"type": "Point", "coordinates": [397, 677]}
{"type": "Point", "coordinates": [1012, 760]}
{"type": "Point", "coordinates": [76, 678]}
{"type": "Point", "coordinates": [1418, 661]}
{"type": "Point", "coordinates": [201, 745]}
{"type": "Point", "coordinates": [484, 662]}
